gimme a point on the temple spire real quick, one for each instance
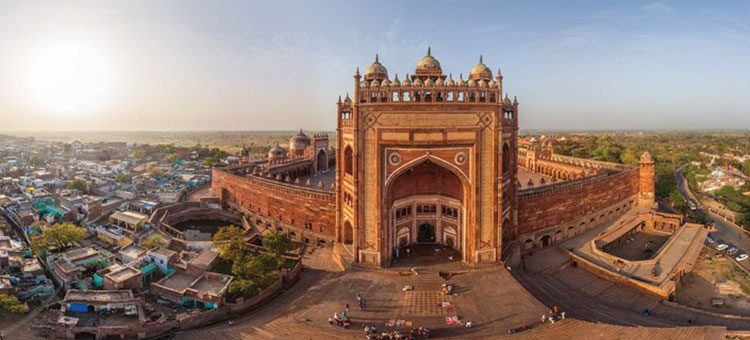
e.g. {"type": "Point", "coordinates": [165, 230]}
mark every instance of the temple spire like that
{"type": "Point", "coordinates": [429, 52]}
{"type": "Point", "coordinates": [376, 58]}
{"type": "Point", "coordinates": [480, 58]}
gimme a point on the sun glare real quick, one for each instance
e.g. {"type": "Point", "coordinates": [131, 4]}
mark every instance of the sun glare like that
{"type": "Point", "coordinates": [71, 79]}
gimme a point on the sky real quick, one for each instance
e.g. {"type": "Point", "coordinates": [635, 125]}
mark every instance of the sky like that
{"type": "Point", "coordinates": [281, 65]}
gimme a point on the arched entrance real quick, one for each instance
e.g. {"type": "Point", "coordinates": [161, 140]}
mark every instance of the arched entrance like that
{"type": "Point", "coordinates": [322, 161]}
{"type": "Point", "coordinates": [425, 202]}
{"type": "Point", "coordinates": [348, 233]}
{"type": "Point", "coordinates": [426, 233]}
{"type": "Point", "coordinates": [546, 241]}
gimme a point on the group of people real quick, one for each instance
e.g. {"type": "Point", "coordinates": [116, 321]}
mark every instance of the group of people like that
{"type": "Point", "coordinates": [555, 315]}
{"type": "Point", "coordinates": [342, 321]}
{"type": "Point", "coordinates": [371, 333]}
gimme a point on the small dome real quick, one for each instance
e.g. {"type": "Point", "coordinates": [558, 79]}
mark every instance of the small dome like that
{"type": "Point", "coordinates": [385, 82]}
{"type": "Point", "coordinates": [376, 70]}
{"type": "Point", "coordinates": [482, 83]}
{"type": "Point", "coordinates": [406, 82]}
{"type": "Point", "coordinates": [276, 152]}
{"type": "Point", "coordinates": [472, 83]}
{"type": "Point", "coordinates": [480, 71]}
{"type": "Point", "coordinates": [364, 83]}
{"type": "Point", "coordinates": [493, 84]}
{"type": "Point", "coordinates": [429, 82]}
{"type": "Point", "coordinates": [439, 82]}
{"type": "Point", "coordinates": [450, 81]}
{"type": "Point", "coordinates": [428, 63]}
{"type": "Point", "coordinates": [300, 141]}
{"type": "Point", "coordinates": [418, 82]}
{"type": "Point", "coordinates": [396, 82]}
{"type": "Point", "coordinates": [375, 83]}
{"type": "Point", "coordinates": [461, 81]}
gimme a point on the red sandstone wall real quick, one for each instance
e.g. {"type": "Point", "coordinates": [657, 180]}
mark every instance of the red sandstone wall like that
{"type": "Point", "coordinates": [543, 207]}
{"type": "Point", "coordinates": [287, 203]}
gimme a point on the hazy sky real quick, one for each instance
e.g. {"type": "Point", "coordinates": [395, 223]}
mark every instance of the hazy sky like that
{"type": "Point", "coordinates": [245, 65]}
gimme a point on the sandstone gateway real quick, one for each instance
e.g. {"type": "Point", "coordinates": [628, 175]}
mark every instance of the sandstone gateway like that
{"type": "Point", "coordinates": [435, 159]}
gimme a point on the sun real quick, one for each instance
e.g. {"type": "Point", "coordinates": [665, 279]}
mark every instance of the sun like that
{"type": "Point", "coordinates": [70, 78]}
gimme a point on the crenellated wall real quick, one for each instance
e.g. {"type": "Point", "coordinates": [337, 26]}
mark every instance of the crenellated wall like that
{"type": "Point", "coordinates": [276, 204]}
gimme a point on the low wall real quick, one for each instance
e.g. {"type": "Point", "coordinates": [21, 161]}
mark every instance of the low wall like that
{"type": "Point", "coordinates": [618, 278]}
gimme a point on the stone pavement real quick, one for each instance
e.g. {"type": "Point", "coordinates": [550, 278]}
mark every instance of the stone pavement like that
{"type": "Point", "coordinates": [489, 297]}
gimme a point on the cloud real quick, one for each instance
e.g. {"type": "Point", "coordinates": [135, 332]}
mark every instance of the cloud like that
{"type": "Point", "coordinates": [656, 7]}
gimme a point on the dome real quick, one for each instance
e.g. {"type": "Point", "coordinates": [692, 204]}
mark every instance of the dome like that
{"type": "Point", "coordinates": [418, 82]}
{"type": "Point", "coordinates": [428, 63]}
{"type": "Point", "coordinates": [406, 82]}
{"type": "Point", "coordinates": [375, 83]}
{"type": "Point", "coordinates": [429, 82]}
{"type": "Point", "coordinates": [480, 71]}
{"type": "Point", "coordinates": [396, 82]}
{"type": "Point", "coordinates": [376, 70]}
{"type": "Point", "coordinates": [482, 83]}
{"type": "Point", "coordinates": [472, 83]}
{"type": "Point", "coordinates": [493, 83]}
{"type": "Point", "coordinates": [439, 82]}
{"type": "Point", "coordinates": [450, 81]}
{"type": "Point", "coordinates": [299, 142]}
{"type": "Point", "coordinates": [461, 81]}
{"type": "Point", "coordinates": [276, 152]}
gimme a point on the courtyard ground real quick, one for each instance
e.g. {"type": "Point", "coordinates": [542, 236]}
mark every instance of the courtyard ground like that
{"type": "Point", "coordinates": [488, 297]}
{"type": "Point", "coordinates": [640, 246]}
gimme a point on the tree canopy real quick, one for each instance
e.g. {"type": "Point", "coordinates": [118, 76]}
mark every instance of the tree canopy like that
{"type": "Point", "coordinates": [79, 184]}
{"type": "Point", "coordinates": [230, 241]}
{"type": "Point", "coordinates": [56, 237]}
{"type": "Point", "coordinates": [9, 304]}
{"type": "Point", "coordinates": [154, 242]}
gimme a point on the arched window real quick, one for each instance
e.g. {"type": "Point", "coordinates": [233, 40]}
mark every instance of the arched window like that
{"type": "Point", "coordinates": [348, 159]}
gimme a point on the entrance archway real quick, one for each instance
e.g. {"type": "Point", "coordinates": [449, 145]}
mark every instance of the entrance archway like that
{"type": "Point", "coordinates": [426, 233]}
{"type": "Point", "coordinates": [348, 233]}
{"type": "Point", "coordinates": [425, 205]}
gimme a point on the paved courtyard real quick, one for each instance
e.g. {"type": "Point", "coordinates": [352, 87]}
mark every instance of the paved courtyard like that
{"type": "Point", "coordinates": [488, 297]}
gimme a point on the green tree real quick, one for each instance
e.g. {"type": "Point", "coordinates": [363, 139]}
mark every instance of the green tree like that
{"type": "Point", "coordinates": [277, 242]}
{"type": "Point", "coordinates": [171, 158]}
{"type": "Point", "coordinates": [243, 287]}
{"type": "Point", "coordinates": [139, 154]}
{"type": "Point", "coordinates": [122, 178]}
{"type": "Point", "coordinates": [36, 160]}
{"type": "Point", "coordinates": [154, 242]}
{"type": "Point", "coordinates": [230, 241]}
{"type": "Point", "coordinates": [628, 158]}
{"type": "Point", "coordinates": [9, 304]}
{"type": "Point", "coordinates": [79, 184]}
{"type": "Point", "coordinates": [57, 236]}
{"type": "Point", "coordinates": [210, 161]}
{"type": "Point", "coordinates": [675, 198]}
{"type": "Point", "coordinates": [746, 167]}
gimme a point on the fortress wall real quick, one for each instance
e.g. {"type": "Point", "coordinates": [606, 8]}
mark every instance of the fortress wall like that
{"type": "Point", "coordinates": [556, 204]}
{"type": "Point", "coordinates": [290, 205]}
